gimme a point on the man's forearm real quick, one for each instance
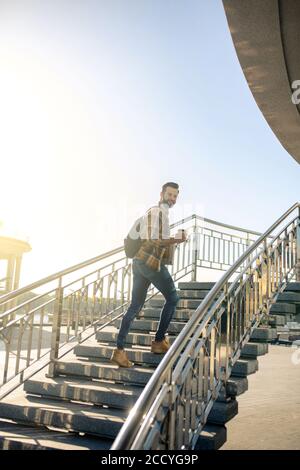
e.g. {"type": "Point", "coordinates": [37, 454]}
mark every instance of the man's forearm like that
{"type": "Point", "coordinates": [169, 241]}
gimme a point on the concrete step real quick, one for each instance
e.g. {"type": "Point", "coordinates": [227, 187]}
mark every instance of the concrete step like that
{"type": "Point", "coordinates": [212, 437]}
{"type": "Point", "coordinates": [287, 317]}
{"type": "Point", "coordinates": [244, 367]}
{"type": "Point", "coordinates": [139, 339]}
{"type": "Point", "coordinates": [90, 391]}
{"type": "Point", "coordinates": [78, 417]}
{"type": "Point", "coordinates": [135, 375]}
{"type": "Point", "coordinates": [254, 349]}
{"type": "Point", "coordinates": [192, 294]}
{"type": "Point", "coordinates": [236, 386]}
{"type": "Point", "coordinates": [20, 437]}
{"type": "Point", "coordinates": [281, 308]}
{"type": "Point", "coordinates": [154, 314]}
{"type": "Point", "coordinates": [293, 286]}
{"type": "Point", "coordinates": [94, 350]}
{"type": "Point", "coordinates": [195, 285]}
{"type": "Point", "coordinates": [152, 325]}
{"type": "Point", "coordinates": [183, 303]}
{"type": "Point", "coordinates": [276, 320]}
{"type": "Point", "coordinates": [221, 412]}
{"type": "Point", "coordinates": [293, 297]}
{"type": "Point", "coordinates": [263, 334]}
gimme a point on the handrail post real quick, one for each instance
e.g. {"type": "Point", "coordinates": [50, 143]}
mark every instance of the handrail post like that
{"type": "Point", "coordinates": [55, 337]}
{"type": "Point", "coordinates": [195, 251]}
{"type": "Point", "coordinates": [298, 248]}
{"type": "Point", "coordinates": [266, 277]}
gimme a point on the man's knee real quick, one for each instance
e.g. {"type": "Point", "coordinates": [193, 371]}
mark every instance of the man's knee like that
{"type": "Point", "coordinates": [136, 305]}
{"type": "Point", "coordinates": [173, 298]}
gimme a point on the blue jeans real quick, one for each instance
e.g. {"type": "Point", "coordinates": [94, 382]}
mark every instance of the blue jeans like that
{"type": "Point", "coordinates": [143, 276]}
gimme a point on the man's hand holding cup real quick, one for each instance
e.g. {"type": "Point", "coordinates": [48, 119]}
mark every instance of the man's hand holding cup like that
{"type": "Point", "coordinates": [181, 236]}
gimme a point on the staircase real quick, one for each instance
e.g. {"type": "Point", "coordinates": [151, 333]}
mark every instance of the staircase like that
{"type": "Point", "coordinates": [86, 404]}
{"type": "Point", "coordinates": [59, 389]}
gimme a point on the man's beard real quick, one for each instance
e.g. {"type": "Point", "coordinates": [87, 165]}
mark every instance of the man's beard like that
{"type": "Point", "coordinates": [169, 203]}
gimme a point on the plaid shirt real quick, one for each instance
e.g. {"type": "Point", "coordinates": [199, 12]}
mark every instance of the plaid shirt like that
{"type": "Point", "coordinates": [155, 228]}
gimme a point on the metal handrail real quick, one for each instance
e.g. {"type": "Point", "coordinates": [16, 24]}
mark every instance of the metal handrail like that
{"type": "Point", "coordinates": [141, 415]}
{"type": "Point", "coordinates": [214, 222]}
{"type": "Point", "coordinates": [80, 305]}
{"type": "Point", "coordinates": [76, 267]}
{"type": "Point", "coordinates": [53, 277]}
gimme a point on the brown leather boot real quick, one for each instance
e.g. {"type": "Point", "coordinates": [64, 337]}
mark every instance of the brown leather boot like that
{"type": "Point", "coordinates": [120, 358]}
{"type": "Point", "coordinates": [160, 347]}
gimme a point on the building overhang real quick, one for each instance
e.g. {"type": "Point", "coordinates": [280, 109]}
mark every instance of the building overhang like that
{"type": "Point", "coordinates": [266, 36]}
{"type": "Point", "coordinates": [12, 247]}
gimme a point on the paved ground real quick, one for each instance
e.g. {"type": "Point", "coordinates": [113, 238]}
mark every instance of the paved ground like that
{"type": "Point", "coordinates": [269, 412]}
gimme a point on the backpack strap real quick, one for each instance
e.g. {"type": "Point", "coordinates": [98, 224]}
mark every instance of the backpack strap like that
{"type": "Point", "coordinates": [160, 225]}
{"type": "Point", "coordinates": [149, 223]}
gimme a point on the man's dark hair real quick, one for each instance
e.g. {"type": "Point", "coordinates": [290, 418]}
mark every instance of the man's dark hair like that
{"type": "Point", "coordinates": [172, 185]}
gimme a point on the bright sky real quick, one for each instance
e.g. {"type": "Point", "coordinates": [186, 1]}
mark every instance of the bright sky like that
{"type": "Point", "coordinates": [102, 101]}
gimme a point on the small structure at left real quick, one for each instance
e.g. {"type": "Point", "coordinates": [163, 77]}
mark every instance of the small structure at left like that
{"type": "Point", "coordinates": [11, 253]}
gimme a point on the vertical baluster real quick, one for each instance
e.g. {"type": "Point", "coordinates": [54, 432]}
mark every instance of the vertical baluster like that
{"type": "Point", "coordinates": [109, 282]}
{"type": "Point", "coordinates": [195, 252]}
{"type": "Point", "coordinates": [233, 252]}
{"type": "Point", "coordinates": [97, 305]}
{"type": "Point", "coordinates": [218, 361]}
{"type": "Point", "coordinates": [248, 300]}
{"type": "Point", "coordinates": [172, 413]}
{"type": "Point", "coordinates": [77, 316]}
{"type": "Point", "coordinates": [8, 346]}
{"type": "Point", "coordinates": [68, 307]}
{"type": "Point", "coordinates": [115, 280]}
{"type": "Point", "coordinates": [101, 299]}
{"type": "Point", "coordinates": [29, 342]}
{"type": "Point", "coordinates": [212, 351]}
{"type": "Point", "coordinates": [129, 282]}
{"type": "Point", "coordinates": [19, 345]}
{"type": "Point", "coordinates": [83, 304]}
{"type": "Point", "coordinates": [123, 284]}
{"type": "Point", "coordinates": [56, 325]}
{"type": "Point", "coordinates": [298, 247]}
{"type": "Point", "coordinates": [219, 252]}
{"type": "Point", "coordinates": [228, 329]}
{"type": "Point", "coordinates": [200, 381]}
{"type": "Point", "coordinates": [187, 411]}
{"type": "Point", "coordinates": [40, 335]}
{"type": "Point", "coordinates": [194, 417]}
{"type": "Point", "coordinates": [206, 375]}
{"type": "Point", "coordinates": [180, 419]}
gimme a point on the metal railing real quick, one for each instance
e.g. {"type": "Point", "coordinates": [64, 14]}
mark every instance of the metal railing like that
{"type": "Point", "coordinates": [174, 406]}
{"type": "Point", "coordinates": [37, 329]}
